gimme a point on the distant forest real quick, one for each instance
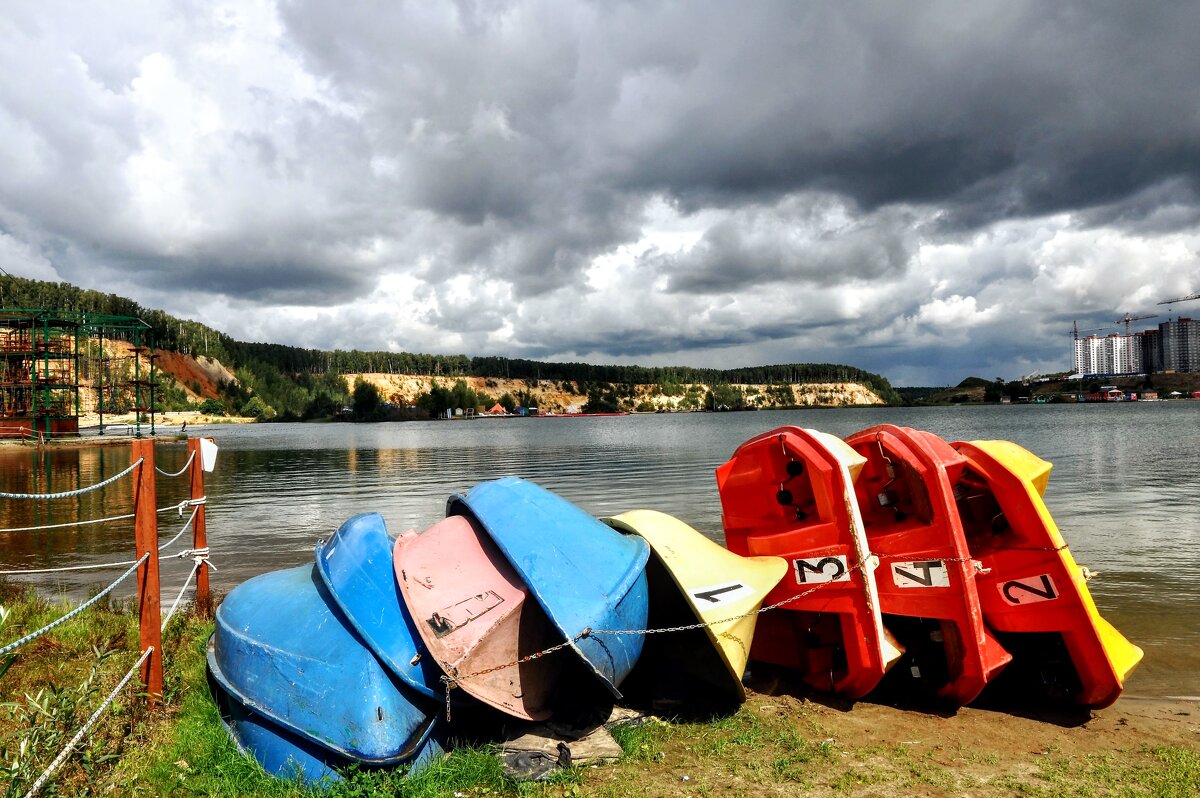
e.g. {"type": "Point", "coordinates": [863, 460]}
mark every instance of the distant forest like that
{"type": "Point", "coordinates": [292, 379]}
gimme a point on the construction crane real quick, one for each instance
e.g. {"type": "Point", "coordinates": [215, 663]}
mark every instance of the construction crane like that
{"type": "Point", "coordinates": [1075, 331]}
{"type": "Point", "coordinates": [1129, 320]}
{"type": "Point", "coordinates": [1187, 298]}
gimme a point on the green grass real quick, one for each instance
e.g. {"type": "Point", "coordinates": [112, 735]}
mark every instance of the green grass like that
{"type": "Point", "coordinates": [183, 749]}
{"type": "Point", "coordinates": [1145, 772]}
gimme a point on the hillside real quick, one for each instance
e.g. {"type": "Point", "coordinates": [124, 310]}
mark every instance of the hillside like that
{"type": "Point", "coordinates": [197, 363]}
{"type": "Point", "coordinates": [566, 397]}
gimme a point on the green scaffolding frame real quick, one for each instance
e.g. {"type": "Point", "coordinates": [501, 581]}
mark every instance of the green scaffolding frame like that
{"type": "Point", "coordinates": [40, 363]}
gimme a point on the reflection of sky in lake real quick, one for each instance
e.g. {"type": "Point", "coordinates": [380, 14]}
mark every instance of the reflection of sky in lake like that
{"type": "Point", "coordinates": [1122, 491]}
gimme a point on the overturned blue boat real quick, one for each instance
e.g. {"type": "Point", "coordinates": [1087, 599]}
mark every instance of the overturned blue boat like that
{"type": "Point", "coordinates": [588, 578]}
{"type": "Point", "coordinates": [300, 690]}
{"type": "Point", "coordinates": [356, 566]}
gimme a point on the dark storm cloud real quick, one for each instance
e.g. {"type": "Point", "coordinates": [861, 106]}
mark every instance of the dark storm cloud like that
{"type": "Point", "coordinates": [792, 242]}
{"type": "Point", "coordinates": [986, 111]}
{"type": "Point", "coordinates": [915, 167]}
{"type": "Point", "coordinates": [991, 110]}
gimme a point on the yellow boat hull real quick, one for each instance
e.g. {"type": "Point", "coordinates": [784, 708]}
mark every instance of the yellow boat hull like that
{"type": "Point", "coordinates": [722, 590]}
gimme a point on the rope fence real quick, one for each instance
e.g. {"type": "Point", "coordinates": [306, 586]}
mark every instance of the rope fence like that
{"type": "Point", "coordinates": [78, 492]}
{"type": "Point", "coordinates": [183, 505]}
{"type": "Point", "coordinates": [87, 725]}
{"type": "Point", "coordinates": [38, 633]}
{"type": "Point", "coordinates": [186, 466]}
{"type": "Point", "coordinates": [148, 550]}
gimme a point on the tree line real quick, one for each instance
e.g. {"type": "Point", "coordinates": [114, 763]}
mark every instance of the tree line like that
{"type": "Point", "coordinates": [294, 382]}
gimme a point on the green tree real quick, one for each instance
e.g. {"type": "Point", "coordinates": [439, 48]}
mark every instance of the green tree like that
{"type": "Point", "coordinates": [212, 407]}
{"type": "Point", "coordinates": [257, 408]}
{"type": "Point", "coordinates": [367, 402]}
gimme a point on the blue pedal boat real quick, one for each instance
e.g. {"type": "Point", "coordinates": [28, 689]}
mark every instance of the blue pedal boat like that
{"type": "Point", "coordinates": [356, 566]}
{"type": "Point", "coordinates": [298, 676]}
{"type": "Point", "coordinates": [587, 577]}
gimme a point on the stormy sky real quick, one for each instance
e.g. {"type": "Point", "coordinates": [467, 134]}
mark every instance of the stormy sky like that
{"type": "Point", "coordinates": [928, 190]}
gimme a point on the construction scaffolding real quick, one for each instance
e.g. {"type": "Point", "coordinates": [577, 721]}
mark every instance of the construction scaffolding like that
{"type": "Point", "coordinates": [56, 365]}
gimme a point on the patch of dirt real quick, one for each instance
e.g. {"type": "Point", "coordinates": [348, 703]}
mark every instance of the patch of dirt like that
{"type": "Point", "coordinates": [785, 742]}
{"type": "Point", "coordinates": [191, 373]}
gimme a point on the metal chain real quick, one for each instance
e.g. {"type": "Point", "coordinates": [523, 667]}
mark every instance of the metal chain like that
{"type": "Point", "coordinates": [451, 682]}
{"type": "Point", "coordinates": [454, 681]}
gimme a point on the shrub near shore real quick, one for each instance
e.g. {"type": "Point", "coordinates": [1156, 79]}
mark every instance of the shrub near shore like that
{"type": "Point", "coordinates": [781, 742]}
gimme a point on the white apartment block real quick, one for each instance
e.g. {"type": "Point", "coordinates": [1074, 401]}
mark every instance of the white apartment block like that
{"type": "Point", "coordinates": [1174, 346]}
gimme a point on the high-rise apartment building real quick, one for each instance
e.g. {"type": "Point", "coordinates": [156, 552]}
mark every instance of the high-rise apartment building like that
{"type": "Point", "coordinates": [1174, 346]}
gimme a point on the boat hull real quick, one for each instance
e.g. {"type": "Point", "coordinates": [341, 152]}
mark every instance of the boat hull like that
{"type": "Point", "coordinates": [717, 587]}
{"type": "Point", "coordinates": [1033, 587]}
{"type": "Point", "coordinates": [789, 493]}
{"type": "Point", "coordinates": [927, 587]}
{"type": "Point", "coordinates": [589, 579]}
{"type": "Point", "coordinates": [282, 650]}
{"type": "Point", "coordinates": [356, 567]}
{"type": "Point", "coordinates": [287, 755]}
{"type": "Point", "coordinates": [476, 618]}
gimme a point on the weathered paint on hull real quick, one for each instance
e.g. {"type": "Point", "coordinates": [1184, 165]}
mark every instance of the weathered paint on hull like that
{"type": "Point", "coordinates": [588, 579]}
{"type": "Point", "coordinates": [356, 566]}
{"type": "Point", "coordinates": [475, 616]}
{"type": "Point", "coordinates": [281, 650]}
{"type": "Point", "coordinates": [288, 755]}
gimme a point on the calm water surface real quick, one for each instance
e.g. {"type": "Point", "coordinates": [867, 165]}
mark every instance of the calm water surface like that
{"type": "Point", "coordinates": [1123, 492]}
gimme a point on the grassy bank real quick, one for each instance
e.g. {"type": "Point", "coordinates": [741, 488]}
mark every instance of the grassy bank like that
{"type": "Point", "coordinates": [781, 742]}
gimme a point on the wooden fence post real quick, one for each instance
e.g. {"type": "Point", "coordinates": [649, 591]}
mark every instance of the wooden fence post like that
{"type": "Point", "coordinates": [145, 521]}
{"type": "Point", "coordinates": [199, 532]}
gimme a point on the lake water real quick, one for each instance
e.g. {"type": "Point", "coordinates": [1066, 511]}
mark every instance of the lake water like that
{"type": "Point", "coordinates": [1123, 492]}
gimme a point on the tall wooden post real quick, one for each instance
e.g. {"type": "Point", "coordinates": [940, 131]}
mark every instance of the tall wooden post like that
{"type": "Point", "coordinates": [199, 532]}
{"type": "Point", "coordinates": [146, 532]}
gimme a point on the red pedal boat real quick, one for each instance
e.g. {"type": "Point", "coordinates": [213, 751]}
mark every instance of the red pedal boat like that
{"type": "Point", "coordinates": [1033, 593]}
{"type": "Point", "coordinates": [789, 493]}
{"type": "Point", "coordinates": [926, 581]}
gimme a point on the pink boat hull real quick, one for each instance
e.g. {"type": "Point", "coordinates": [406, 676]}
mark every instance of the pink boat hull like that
{"type": "Point", "coordinates": [474, 614]}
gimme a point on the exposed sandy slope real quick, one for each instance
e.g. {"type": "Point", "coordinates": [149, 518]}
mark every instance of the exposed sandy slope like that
{"type": "Point", "coordinates": [561, 397]}
{"type": "Point", "coordinates": [199, 377]}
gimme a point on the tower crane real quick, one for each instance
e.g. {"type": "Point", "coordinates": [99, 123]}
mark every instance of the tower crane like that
{"type": "Point", "coordinates": [1187, 298]}
{"type": "Point", "coordinates": [1129, 320]}
{"type": "Point", "coordinates": [1075, 331]}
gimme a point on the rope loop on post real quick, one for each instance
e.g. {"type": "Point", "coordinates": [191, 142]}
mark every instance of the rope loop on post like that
{"type": "Point", "coordinates": [191, 457]}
